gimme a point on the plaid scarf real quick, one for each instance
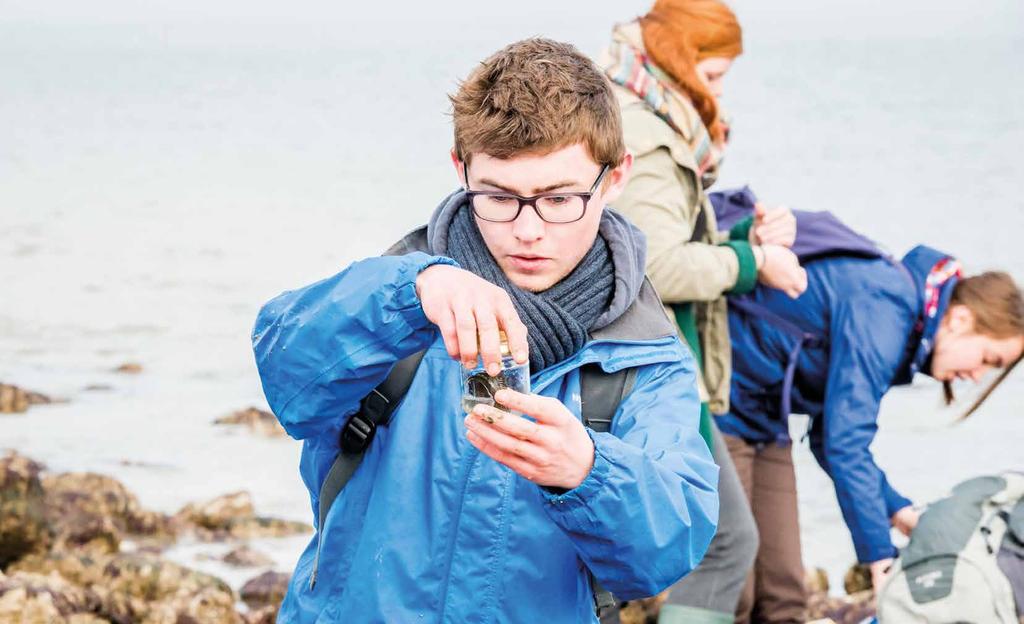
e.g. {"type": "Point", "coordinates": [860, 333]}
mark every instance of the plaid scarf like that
{"type": "Point", "coordinates": [938, 288]}
{"type": "Point", "coordinates": [942, 272]}
{"type": "Point", "coordinates": [627, 64]}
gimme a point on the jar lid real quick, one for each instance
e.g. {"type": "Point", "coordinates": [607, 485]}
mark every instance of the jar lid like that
{"type": "Point", "coordinates": [506, 351]}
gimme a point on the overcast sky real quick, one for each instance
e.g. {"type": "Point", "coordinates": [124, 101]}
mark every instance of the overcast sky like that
{"type": "Point", "coordinates": [824, 17]}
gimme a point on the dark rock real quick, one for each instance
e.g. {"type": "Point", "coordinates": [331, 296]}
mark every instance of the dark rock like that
{"type": "Point", "coordinates": [816, 581]}
{"type": "Point", "coordinates": [850, 609]}
{"type": "Point", "coordinates": [220, 512]}
{"type": "Point", "coordinates": [129, 368]}
{"type": "Point", "coordinates": [232, 517]}
{"type": "Point", "coordinates": [23, 527]}
{"type": "Point", "coordinates": [141, 588]}
{"type": "Point", "coordinates": [247, 557]}
{"type": "Point", "coordinates": [90, 494]}
{"type": "Point", "coordinates": [644, 611]}
{"type": "Point", "coordinates": [15, 400]}
{"type": "Point", "coordinates": [259, 421]}
{"type": "Point", "coordinates": [30, 597]}
{"type": "Point", "coordinates": [257, 527]}
{"type": "Point", "coordinates": [98, 388]}
{"type": "Point", "coordinates": [81, 531]}
{"type": "Point", "coordinates": [267, 589]}
{"type": "Point", "coordinates": [263, 615]}
{"type": "Point", "coordinates": [857, 579]}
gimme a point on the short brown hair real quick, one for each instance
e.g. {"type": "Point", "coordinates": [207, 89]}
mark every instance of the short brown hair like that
{"type": "Point", "coordinates": [537, 96]}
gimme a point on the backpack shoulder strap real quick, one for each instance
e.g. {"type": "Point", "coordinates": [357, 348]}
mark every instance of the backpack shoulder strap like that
{"type": "Point", "coordinates": [600, 396]}
{"type": "Point", "coordinates": [374, 411]}
{"type": "Point", "coordinates": [601, 393]}
{"type": "Point", "coordinates": [748, 306]}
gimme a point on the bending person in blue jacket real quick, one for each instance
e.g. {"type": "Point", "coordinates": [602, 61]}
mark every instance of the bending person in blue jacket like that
{"type": "Point", "coordinates": [865, 324]}
{"type": "Point", "coordinates": [492, 516]}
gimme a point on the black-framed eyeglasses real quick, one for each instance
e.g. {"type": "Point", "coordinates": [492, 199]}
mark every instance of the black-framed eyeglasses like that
{"type": "Point", "coordinates": [557, 207]}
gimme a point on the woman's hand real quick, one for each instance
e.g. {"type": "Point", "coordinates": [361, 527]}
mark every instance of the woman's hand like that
{"type": "Point", "coordinates": [779, 268]}
{"type": "Point", "coordinates": [554, 451]}
{"type": "Point", "coordinates": [905, 520]}
{"type": "Point", "coordinates": [880, 571]}
{"type": "Point", "coordinates": [773, 226]}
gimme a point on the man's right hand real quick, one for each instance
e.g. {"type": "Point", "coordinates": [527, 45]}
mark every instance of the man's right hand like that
{"type": "Point", "coordinates": [470, 311]}
{"type": "Point", "coordinates": [780, 268]}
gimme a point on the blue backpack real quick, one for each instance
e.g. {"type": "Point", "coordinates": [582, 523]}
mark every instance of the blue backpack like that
{"type": "Point", "coordinates": [818, 235]}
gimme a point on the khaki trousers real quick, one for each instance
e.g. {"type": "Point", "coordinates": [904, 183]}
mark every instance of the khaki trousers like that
{"type": "Point", "coordinates": [774, 591]}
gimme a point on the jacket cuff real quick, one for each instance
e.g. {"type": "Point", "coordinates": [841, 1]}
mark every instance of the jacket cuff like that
{"type": "Point", "coordinates": [578, 496]}
{"type": "Point", "coordinates": [870, 553]}
{"type": "Point", "coordinates": [746, 278]}
{"type": "Point", "coordinates": [741, 230]}
{"type": "Point", "coordinates": [894, 501]}
{"type": "Point", "coordinates": [406, 300]}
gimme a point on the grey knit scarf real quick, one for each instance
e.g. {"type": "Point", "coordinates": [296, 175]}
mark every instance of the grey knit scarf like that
{"type": "Point", "coordinates": [558, 319]}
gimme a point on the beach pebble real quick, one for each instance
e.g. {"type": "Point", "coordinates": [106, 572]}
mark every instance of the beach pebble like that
{"type": "Point", "coordinates": [129, 368]}
{"type": "Point", "coordinates": [643, 610]}
{"type": "Point", "coordinates": [232, 516]}
{"type": "Point", "coordinates": [247, 557]}
{"type": "Point", "coordinates": [258, 421]}
{"type": "Point", "coordinates": [816, 581]}
{"type": "Point", "coordinates": [263, 615]}
{"type": "Point", "coordinates": [850, 609]}
{"type": "Point", "coordinates": [220, 512]}
{"type": "Point", "coordinates": [15, 400]}
{"type": "Point", "coordinates": [857, 579]}
{"type": "Point", "coordinates": [266, 589]}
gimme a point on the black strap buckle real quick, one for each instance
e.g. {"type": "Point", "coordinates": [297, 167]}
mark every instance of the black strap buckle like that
{"type": "Point", "coordinates": [358, 432]}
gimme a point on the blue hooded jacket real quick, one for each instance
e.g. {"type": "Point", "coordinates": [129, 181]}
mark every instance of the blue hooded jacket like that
{"type": "Point", "coordinates": [429, 530]}
{"type": "Point", "coordinates": [868, 313]}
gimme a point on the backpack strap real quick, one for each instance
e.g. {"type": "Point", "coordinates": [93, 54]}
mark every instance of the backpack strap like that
{"type": "Point", "coordinates": [374, 411]}
{"type": "Point", "coordinates": [601, 393]}
{"type": "Point", "coordinates": [600, 396]}
{"type": "Point", "coordinates": [700, 226]}
{"type": "Point", "coordinates": [803, 339]}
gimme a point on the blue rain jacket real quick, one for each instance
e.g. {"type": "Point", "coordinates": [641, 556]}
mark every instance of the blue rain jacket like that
{"type": "Point", "coordinates": [429, 529]}
{"type": "Point", "coordinates": [867, 311]}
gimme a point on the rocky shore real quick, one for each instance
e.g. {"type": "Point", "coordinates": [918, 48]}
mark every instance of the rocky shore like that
{"type": "Point", "coordinates": [79, 548]}
{"type": "Point", "coordinates": [857, 605]}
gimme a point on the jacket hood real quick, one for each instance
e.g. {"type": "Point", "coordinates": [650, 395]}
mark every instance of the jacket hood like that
{"type": "Point", "coordinates": [919, 262]}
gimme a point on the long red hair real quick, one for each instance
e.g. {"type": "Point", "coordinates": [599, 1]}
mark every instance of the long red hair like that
{"type": "Point", "coordinates": [680, 33]}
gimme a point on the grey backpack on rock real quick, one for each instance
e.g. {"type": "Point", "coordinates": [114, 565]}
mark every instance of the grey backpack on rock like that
{"type": "Point", "coordinates": [965, 560]}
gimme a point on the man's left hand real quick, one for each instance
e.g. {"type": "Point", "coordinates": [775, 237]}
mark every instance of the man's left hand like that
{"type": "Point", "coordinates": [553, 450]}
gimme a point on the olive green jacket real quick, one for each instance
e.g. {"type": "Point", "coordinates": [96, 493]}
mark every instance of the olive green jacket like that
{"type": "Point", "coordinates": [663, 198]}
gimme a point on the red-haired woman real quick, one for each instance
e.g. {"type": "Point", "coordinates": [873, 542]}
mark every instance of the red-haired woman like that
{"type": "Point", "coordinates": [668, 67]}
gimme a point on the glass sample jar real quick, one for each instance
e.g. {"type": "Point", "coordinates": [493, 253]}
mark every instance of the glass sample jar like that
{"type": "Point", "coordinates": [478, 387]}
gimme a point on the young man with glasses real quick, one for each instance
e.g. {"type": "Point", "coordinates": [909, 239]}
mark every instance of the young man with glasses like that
{"type": "Point", "coordinates": [497, 516]}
